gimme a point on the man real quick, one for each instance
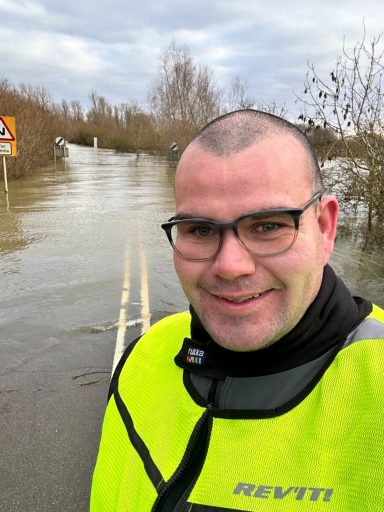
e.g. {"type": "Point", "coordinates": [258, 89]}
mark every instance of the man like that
{"type": "Point", "coordinates": [269, 395]}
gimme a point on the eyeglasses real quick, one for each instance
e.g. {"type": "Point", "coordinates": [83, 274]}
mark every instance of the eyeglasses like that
{"type": "Point", "coordinates": [262, 233]}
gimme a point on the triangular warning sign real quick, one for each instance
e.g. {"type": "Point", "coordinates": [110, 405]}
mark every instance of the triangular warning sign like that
{"type": "Point", "coordinates": [5, 133]}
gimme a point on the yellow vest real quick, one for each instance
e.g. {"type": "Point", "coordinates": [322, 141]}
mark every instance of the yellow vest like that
{"type": "Point", "coordinates": [324, 454]}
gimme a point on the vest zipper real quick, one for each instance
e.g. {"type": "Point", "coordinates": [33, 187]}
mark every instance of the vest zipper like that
{"type": "Point", "coordinates": [184, 465]}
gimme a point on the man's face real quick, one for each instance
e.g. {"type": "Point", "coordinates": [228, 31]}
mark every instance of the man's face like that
{"type": "Point", "coordinates": [248, 302]}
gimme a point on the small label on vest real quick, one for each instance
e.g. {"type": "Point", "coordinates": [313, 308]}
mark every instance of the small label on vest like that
{"type": "Point", "coordinates": [195, 356]}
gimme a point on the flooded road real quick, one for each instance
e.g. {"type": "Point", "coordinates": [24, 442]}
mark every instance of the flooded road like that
{"type": "Point", "coordinates": [64, 237]}
{"type": "Point", "coordinates": [81, 253]}
{"type": "Point", "coordinates": [68, 239]}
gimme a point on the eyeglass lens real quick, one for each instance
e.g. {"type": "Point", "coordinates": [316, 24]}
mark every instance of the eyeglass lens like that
{"type": "Point", "coordinates": [260, 235]}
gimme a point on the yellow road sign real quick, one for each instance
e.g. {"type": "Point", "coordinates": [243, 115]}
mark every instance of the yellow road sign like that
{"type": "Point", "coordinates": [8, 136]}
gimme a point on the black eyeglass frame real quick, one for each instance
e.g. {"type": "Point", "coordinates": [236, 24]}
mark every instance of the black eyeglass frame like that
{"type": "Point", "coordinates": [295, 213]}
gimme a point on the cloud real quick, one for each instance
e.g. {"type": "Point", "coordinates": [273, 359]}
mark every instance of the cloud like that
{"type": "Point", "coordinates": [44, 52]}
{"type": "Point", "coordinates": [25, 9]}
{"type": "Point", "coordinates": [113, 48]}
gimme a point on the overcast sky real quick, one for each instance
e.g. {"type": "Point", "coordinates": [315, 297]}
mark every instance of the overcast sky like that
{"type": "Point", "coordinates": [112, 47]}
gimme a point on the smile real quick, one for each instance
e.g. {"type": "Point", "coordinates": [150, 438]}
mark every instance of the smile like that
{"type": "Point", "coordinates": [239, 300]}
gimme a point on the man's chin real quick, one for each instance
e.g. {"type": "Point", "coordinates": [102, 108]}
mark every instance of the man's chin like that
{"type": "Point", "coordinates": [229, 339]}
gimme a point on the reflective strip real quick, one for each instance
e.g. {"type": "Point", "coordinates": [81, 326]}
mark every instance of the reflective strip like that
{"type": "Point", "coordinates": [265, 391]}
{"type": "Point", "coordinates": [150, 467]}
{"type": "Point", "coordinates": [369, 329]}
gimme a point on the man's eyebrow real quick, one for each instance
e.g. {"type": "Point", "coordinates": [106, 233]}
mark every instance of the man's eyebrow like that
{"type": "Point", "coordinates": [186, 216]}
{"type": "Point", "coordinates": [266, 209]}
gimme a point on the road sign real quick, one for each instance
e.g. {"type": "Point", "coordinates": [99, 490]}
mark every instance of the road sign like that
{"type": "Point", "coordinates": [60, 141]}
{"type": "Point", "coordinates": [5, 148]}
{"type": "Point", "coordinates": [7, 136]}
{"type": "Point", "coordinates": [5, 132]}
{"type": "Point", "coordinates": [60, 149]}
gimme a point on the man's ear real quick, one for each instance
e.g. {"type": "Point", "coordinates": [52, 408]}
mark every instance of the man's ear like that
{"type": "Point", "coordinates": [327, 217]}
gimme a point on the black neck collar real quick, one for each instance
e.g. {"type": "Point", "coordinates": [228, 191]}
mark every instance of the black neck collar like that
{"type": "Point", "coordinates": [325, 325]}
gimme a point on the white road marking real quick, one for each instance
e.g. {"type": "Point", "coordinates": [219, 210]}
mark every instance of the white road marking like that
{"type": "Point", "coordinates": [122, 325]}
{"type": "Point", "coordinates": [145, 314]}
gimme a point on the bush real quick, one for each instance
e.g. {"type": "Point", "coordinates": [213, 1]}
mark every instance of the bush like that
{"type": "Point", "coordinates": [37, 125]}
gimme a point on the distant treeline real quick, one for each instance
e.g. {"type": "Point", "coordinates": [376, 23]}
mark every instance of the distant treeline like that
{"type": "Point", "coordinates": [175, 115]}
{"type": "Point", "coordinates": [39, 121]}
{"type": "Point", "coordinates": [183, 97]}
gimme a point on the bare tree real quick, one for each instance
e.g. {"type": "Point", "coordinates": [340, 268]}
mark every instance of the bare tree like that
{"type": "Point", "coordinates": [350, 102]}
{"type": "Point", "coordinates": [184, 95]}
{"type": "Point", "coordinates": [100, 111]}
{"type": "Point", "coordinates": [76, 109]}
{"type": "Point", "coordinates": [274, 108]}
{"type": "Point", "coordinates": [36, 94]}
{"type": "Point", "coordinates": [134, 122]}
{"type": "Point", "coordinates": [238, 97]}
{"type": "Point", "coordinates": [64, 109]}
{"type": "Point", "coordinates": [5, 85]}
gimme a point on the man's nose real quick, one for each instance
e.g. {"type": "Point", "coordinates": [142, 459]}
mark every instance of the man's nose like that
{"type": "Point", "coordinates": [233, 260]}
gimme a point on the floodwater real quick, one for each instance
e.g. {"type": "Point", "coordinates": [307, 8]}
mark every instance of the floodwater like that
{"type": "Point", "coordinates": [68, 232]}
{"type": "Point", "coordinates": [70, 238]}
{"type": "Point", "coordinates": [81, 249]}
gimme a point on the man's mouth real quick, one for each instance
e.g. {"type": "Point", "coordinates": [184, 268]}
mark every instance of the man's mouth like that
{"type": "Point", "coordinates": [239, 300]}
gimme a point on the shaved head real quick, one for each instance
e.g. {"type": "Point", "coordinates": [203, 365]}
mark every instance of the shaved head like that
{"type": "Point", "coordinates": [236, 131]}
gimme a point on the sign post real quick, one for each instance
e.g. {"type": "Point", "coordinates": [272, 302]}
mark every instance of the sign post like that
{"type": "Point", "coordinates": [60, 148]}
{"type": "Point", "coordinates": [7, 142]}
{"type": "Point", "coordinates": [5, 175]}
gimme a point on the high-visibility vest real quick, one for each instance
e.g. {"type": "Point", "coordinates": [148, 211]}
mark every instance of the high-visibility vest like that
{"type": "Point", "coordinates": [324, 454]}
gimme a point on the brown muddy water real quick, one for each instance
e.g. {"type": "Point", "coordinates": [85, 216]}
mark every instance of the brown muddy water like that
{"type": "Point", "coordinates": [82, 253]}
{"type": "Point", "coordinates": [67, 233]}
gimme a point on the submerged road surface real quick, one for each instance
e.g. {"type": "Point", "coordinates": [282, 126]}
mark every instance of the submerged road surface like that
{"type": "Point", "coordinates": [83, 265]}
